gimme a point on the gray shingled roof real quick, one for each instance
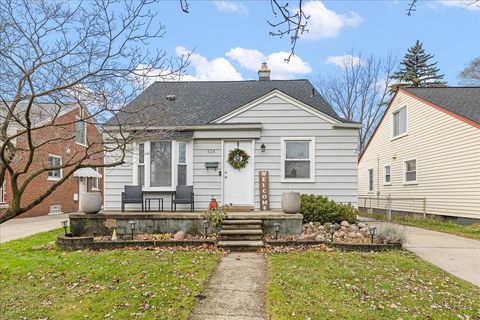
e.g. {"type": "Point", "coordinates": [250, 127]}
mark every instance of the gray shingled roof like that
{"type": "Point", "coordinates": [201, 102]}
{"type": "Point", "coordinates": [464, 101]}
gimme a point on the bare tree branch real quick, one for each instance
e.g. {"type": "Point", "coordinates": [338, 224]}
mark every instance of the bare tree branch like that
{"type": "Point", "coordinates": [359, 91]}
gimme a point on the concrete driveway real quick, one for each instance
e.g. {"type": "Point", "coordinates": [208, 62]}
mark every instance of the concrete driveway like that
{"type": "Point", "coordinates": [457, 255]}
{"type": "Point", "coordinates": [22, 227]}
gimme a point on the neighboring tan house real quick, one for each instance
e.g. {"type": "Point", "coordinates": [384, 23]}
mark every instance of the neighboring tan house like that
{"type": "Point", "coordinates": [59, 123]}
{"type": "Point", "coordinates": [425, 154]}
{"type": "Point", "coordinates": [284, 126]}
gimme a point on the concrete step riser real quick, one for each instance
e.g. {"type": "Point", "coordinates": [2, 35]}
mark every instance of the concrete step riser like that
{"type": "Point", "coordinates": [241, 249]}
{"type": "Point", "coordinates": [225, 222]}
{"type": "Point", "coordinates": [241, 226]}
{"type": "Point", "coordinates": [240, 237]}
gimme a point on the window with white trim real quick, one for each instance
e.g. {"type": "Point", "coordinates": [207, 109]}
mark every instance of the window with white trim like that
{"type": "Point", "coordinates": [2, 193]}
{"type": "Point", "coordinates": [399, 123]}
{"type": "Point", "coordinates": [370, 180]}
{"type": "Point", "coordinates": [387, 176]}
{"type": "Point", "coordinates": [95, 182]}
{"type": "Point", "coordinates": [182, 164]}
{"type": "Point", "coordinates": [54, 164]}
{"type": "Point", "coordinates": [141, 165]}
{"type": "Point", "coordinates": [410, 171]}
{"type": "Point", "coordinates": [81, 129]}
{"type": "Point", "coordinates": [298, 159]}
{"type": "Point", "coordinates": [161, 163]}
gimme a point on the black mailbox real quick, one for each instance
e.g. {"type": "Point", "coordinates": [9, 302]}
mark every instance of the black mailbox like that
{"type": "Point", "coordinates": [211, 165]}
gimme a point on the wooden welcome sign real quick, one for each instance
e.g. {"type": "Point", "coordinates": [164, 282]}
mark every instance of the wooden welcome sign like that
{"type": "Point", "coordinates": [264, 196]}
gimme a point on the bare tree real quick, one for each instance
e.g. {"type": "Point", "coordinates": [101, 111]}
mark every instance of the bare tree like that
{"type": "Point", "coordinates": [412, 5]}
{"type": "Point", "coordinates": [359, 91]}
{"type": "Point", "coordinates": [55, 55]}
{"type": "Point", "coordinates": [471, 74]}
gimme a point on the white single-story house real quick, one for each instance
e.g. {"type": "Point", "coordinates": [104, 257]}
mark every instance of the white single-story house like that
{"type": "Point", "coordinates": [284, 127]}
{"type": "Point", "coordinates": [425, 154]}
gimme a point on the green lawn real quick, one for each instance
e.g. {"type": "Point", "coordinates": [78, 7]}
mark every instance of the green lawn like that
{"type": "Point", "coordinates": [118, 284]}
{"type": "Point", "coordinates": [390, 285]}
{"type": "Point", "coordinates": [472, 231]}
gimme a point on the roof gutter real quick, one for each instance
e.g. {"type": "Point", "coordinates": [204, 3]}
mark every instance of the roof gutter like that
{"type": "Point", "coordinates": [221, 126]}
{"type": "Point", "coordinates": [347, 125]}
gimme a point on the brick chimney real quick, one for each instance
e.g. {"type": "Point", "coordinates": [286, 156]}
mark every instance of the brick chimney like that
{"type": "Point", "coordinates": [264, 72]}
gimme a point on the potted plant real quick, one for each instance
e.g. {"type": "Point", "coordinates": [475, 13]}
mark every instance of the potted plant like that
{"type": "Point", "coordinates": [291, 202]}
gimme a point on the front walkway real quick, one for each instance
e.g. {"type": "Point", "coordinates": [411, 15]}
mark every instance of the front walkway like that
{"type": "Point", "coordinates": [23, 227]}
{"type": "Point", "coordinates": [235, 290]}
{"type": "Point", "coordinates": [457, 255]}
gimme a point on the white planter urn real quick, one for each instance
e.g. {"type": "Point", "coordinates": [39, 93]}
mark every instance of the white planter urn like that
{"type": "Point", "coordinates": [91, 202]}
{"type": "Point", "coordinates": [291, 202]}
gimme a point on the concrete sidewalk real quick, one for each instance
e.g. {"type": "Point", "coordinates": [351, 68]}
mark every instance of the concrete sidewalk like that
{"type": "Point", "coordinates": [235, 290]}
{"type": "Point", "coordinates": [457, 255]}
{"type": "Point", "coordinates": [23, 227]}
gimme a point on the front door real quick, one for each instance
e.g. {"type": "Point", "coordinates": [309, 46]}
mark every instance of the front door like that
{"type": "Point", "coordinates": [238, 183]}
{"type": "Point", "coordinates": [81, 190]}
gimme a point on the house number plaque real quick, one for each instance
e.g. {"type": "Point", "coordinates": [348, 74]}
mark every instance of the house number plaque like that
{"type": "Point", "coordinates": [264, 196]}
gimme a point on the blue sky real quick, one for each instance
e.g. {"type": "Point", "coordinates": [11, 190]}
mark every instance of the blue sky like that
{"type": "Point", "coordinates": [230, 38]}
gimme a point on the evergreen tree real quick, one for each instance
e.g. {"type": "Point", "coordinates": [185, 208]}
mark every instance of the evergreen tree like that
{"type": "Point", "coordinates": [417, 70]}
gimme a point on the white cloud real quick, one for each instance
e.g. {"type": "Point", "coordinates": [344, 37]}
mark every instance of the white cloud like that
{"type": "Point", "coordinates": [344, 61]}
{"type": "Point", "coordinates": [326, 23]}
{"type": "Point", "coordinates": [251, 59]}
{"type": "Point", "coordinates": [230, 6]}
{"type": "Point", "coordinates": [464, 4]}
{"type": "Point", "coordinates": [214, 70]}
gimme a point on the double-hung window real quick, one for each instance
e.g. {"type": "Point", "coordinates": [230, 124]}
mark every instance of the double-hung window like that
{"type": "Point", "coordinates": [81, 130]}
{"type": "Point", "coordinates": [399, 122]}
{"type": "Point", "coordinates": [387, 176]}
{"type": "Point", "coordinates": [410, 171]}
{"type": "Point", "coordinates": [182, 163]}
{"type": "Point", "coordinates": [161, 163]}
{"type": "Point", "coordinates": [54, 164]}
{"type": "Point", "coordinates": [370, 180]}
{"type": "Point", "coordinates": [141, 165]}
{"type": "Point", "coordinates": [298, 159]}
{"type": "Point", "coordinates": [95, 182]}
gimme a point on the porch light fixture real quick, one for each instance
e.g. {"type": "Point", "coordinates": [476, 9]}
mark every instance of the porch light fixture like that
{"type": "Point", "coordinates": [373, 231]}
{"type": "Point", "coordinates": [64, 226]}
{"type": "Point", "coordinates": [262, 147]}
{"type": "Point", "coordinates": [132, 226]}
{"type": "Point", "coordinates": [205, 227]}
{"type": "Point", "coordinates": [332, 231]}
{"type": "Point", "coordinates": [277, 230]}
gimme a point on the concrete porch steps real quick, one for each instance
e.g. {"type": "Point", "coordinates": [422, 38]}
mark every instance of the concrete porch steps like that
{"type": "Point", "coordinates": [241, 234]}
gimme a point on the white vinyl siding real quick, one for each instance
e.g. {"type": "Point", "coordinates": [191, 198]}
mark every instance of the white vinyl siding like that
{"type": "Point", "coordinates": [335, 173]}
{"type": "Point", "coordinates": [447, 154]}
{"type": "Point", "coordinates": [207, 183]}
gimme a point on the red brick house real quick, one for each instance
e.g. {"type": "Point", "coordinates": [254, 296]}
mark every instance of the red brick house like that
{"type": "Point", "coordinates": [68, 138]}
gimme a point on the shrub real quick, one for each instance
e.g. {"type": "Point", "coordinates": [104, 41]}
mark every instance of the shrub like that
{"type": "Point", "coordinates": [216, 216]}
{"type": "Point", "coordinates": [321, 209]}
{"type": "Point", "coordinates": [389, 233]}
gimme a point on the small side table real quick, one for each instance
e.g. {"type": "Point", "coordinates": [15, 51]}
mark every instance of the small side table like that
{"type": "Point", "coordinates": [148, 202]}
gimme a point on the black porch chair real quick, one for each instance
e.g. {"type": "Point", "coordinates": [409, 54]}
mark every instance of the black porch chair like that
{"type": "Point", "coordinates": [132, 194]}
{"type": "Point", "coordinates": [183, 195]}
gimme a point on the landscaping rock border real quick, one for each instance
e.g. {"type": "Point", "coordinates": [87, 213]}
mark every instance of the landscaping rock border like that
{"type": "Point", "coordinates": [82, 243]}
{"type": "Point", "coordinates": [364, 247]}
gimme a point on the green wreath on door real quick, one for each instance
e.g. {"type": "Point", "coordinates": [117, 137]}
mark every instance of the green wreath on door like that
{"type": "Point", "coordinates": [238, 158]}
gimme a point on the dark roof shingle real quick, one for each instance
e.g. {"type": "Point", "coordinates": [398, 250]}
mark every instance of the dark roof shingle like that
{"type": "Point", "coordinates": [201, 102]}
{"type": "Point", "coordinates": [464, 101]}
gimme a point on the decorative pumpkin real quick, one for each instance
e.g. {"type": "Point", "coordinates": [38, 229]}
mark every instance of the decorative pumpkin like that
{"type": "Point", "coordinates": [238, 158]}
{"type": "Point", "coordinates": [213, 204]}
